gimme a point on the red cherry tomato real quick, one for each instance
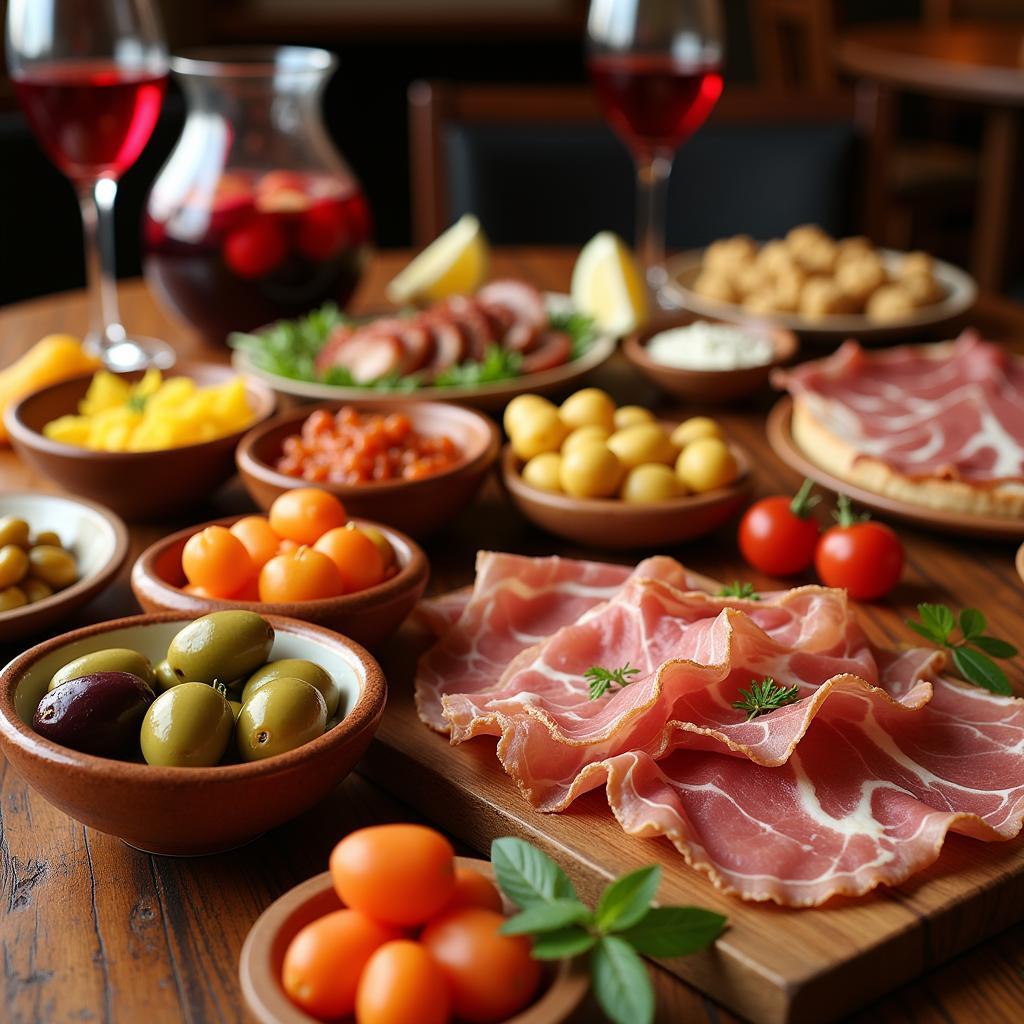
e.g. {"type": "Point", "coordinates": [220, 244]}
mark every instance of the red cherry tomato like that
{"type": "Point", "coordinates": [863, 556]}
{"type": "Point", "coordinates": [256, 249]}
{"type": "Point", "coordinates": [777, 535]}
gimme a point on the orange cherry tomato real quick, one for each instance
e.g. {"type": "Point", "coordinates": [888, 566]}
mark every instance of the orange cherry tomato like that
{"type": "Point", "coordinates": [305, 514]}
{"type": "Point", "coordinates": [358, 559]}
{"type": "Point", "coordinates": [198, 591]}
{"type": "Point", "coordinates": [387, 552]}
{"type": "Point", "coordinates": [303, 575]}
{"type": "Point", "coordinates": [398, 874]}
{"type": "Point", "coordinates": [249, 592]}
{"type": "Point", "coordinates": [217, 561]}
{"type": "Point", "coordinates": [322, 964]}
{"type": "Point", "coordinates": [258, 538]}
{"type": "Point", "coordinates": [474, 890]}
{"type": "Point", "coordinates": [490, 976]}
{"type": "Point", "coordinates": [402, 983]}
{"type": "Point", "coordinates": [286, 547]}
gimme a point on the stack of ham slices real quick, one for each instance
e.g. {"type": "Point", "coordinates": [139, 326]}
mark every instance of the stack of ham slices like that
{"type": "Point", "coordinates": [508, 313]}
{"type": "Point", "coordinates": [853, 785]}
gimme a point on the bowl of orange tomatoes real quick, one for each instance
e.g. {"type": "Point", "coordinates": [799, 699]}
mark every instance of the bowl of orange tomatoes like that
{"type": "Point", "coordinates": [305, 559]}
{"type": "Point", "coordinates": [400, 929]}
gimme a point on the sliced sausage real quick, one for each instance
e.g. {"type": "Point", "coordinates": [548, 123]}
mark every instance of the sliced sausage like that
{"type": "Point", "coordinates": [525, 301]}
{"type": "Point", "coordinates": [337, 338]}
{"type": "Point", "coordinates": [449, 345]}
{"type": "Point", "coordinates": [554, 349]}
{"type": "Point", "coordinates": [522, 337]}
{"type": "Point", "coordinates": [368, 356]}
{"type": "Point", "coordinates": [418, 342]}
{"type": "Point", "coordinates": [476, 328]}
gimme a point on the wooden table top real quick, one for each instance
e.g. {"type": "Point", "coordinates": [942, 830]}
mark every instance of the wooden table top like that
{"type": "Point", "coordinates": [984, 63]}
{"type": "Point", "coordinates": [94, 930]}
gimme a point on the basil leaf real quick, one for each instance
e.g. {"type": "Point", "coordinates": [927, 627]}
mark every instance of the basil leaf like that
{"type": "Point", "coordinates": [972, 623]}
{"type": "Point", "coordinates": [546, 917]}
{"type": "Point", "coordinates": [571, 941]}
{"type": "Point", "coordinates": [621, 983]}
{"type": "Point", "coordinates": [937, 618]}
{"type": "Point", "coordinates": [674, 931]}
{"type": "Point", "coordinates": [994, 646]}
{"type": "Point", "coordinates": [526, 875]}
{"type": "Point", "coordinates": [982, 671]}
{"type": "Point", "coordinates": [923, 630]}
{"type": "Point", "coordinates": [627, 899]}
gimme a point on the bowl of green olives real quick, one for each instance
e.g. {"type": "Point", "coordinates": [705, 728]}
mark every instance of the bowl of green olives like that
{"type": "Point", "coordinates": [56, 553]}
{"type": "Point", "coordinates": [185, 735]}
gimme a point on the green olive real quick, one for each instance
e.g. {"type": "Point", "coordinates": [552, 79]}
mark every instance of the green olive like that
{"type": "Point", "coordinates": [13, 531]}
{"type": "Point", "coordinates": [35, 590]}
{"type": "Point", "coordinates": [111, 659]}
{"type": "Point", "coordinates": [53, 565]}
{"type": "Point", "coordinates": [295, 668]}
{"type": "Point", "coordinates": [221, 647]}
{"type": "Point", "coordinates": [283, 714]}
{"type": "Point", "coordinates": [236, 708]}
{"type": "Point", "coordinates": [187, 726]}
{"type": "Point", "coordinates": [11, 598]}
{"type": "Point", "coordinates": [164, 677]}
{"type": "Point", "coordinates": [47, 537]}
{"type": "Point", "coordinates": [13, 565]}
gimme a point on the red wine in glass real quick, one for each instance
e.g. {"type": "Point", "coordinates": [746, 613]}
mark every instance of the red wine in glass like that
{"type": "Point", "coordinates": [92, 117]}
{"type": "Point", "coordinates": [651, 101]}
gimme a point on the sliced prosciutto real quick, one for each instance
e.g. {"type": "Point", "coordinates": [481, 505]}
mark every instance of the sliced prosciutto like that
{"type": "Point", "coordinates": [954, 411]}
{"type": "Point", "coordinates": [853, 784]}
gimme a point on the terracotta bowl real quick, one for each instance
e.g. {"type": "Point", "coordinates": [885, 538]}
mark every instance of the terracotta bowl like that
{"type": "Point", "coordinates": [188, 811]}
{"type": "Point", "coordinates": [613, 524]}
{"type": "Point", "coordinates": [708, 387]}
{"type": "Point", "coordinates": [97, 538]}
{"type": "Point", "coordinates": [417, 507]}
{"type": "Point", "coordinates": [136, 485]}
{"type": "Point", "coordinates": [367, 617]}
{"type": "Point", "coordinates": [259, 968]}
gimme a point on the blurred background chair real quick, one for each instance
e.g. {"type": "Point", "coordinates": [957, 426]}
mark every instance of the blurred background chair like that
{"type": "Point", "coordinates": [538, 165]}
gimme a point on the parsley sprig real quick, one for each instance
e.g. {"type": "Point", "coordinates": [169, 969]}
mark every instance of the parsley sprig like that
{"type": "Point", "coordinates": [600, 679]}
{"type": "Point", "coordinates": [973, 653]}
{"type": "Point", "coordinates": [623, 926]}
{"type": "Point", "coordinates": [738, 589]}
{"type": "Point", "coordinates": [764, 696]}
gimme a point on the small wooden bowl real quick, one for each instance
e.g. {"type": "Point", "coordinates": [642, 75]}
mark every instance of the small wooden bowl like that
{"type": "Point", "coordinates": [259, 966]}
{"type": "Point", "coordinates": [708, 387]}
{"type": "Point", "coordinates": [97, 538]}
{"type": "Point", "coordinates": [188, 811]}
{"type": "Point", "coordinates": [368, 617]}
{"type": "Point", "coordinates": [615, 525]}
{"type": "Point", "coordinates": [136, 485]}
{"type": "Point", "coordinates": [417, 507]}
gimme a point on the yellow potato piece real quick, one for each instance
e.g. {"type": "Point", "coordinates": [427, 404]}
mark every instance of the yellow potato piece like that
{"type": "Point", "coordinates": [540, 430]}
{"type": "Point", "coordinates": [643, 442]}
{"type": "Point", "coordinates": [706, 464]}
{"type": "Point", "coordinates": [543, 472]}
{"type": "Point", "coordinates": [590, 471]}
{"type": "Point", "coordinates": [693, 428]}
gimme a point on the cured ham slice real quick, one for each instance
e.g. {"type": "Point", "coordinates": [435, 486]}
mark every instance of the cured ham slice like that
{"type": "Point", "coordinates": [854, 784]}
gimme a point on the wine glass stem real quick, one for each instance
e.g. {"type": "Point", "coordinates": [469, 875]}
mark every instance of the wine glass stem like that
{"type": "Point", "coordinates": [652, 172]}
{"type": "Point", "coordinates": [97, 205]}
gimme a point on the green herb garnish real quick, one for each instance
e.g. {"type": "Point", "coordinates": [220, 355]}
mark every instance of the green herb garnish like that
{"type": "Point", "coordinates": [764, 696]}
{"type": "Point", "coordinates": [973, 652]}
{"type": "Point", "coordinates": [599, 679]}
{"type": "Point", "coordinates": [498, 364]}
{"type": "Point", "coordinates": [623, 927]}
{"type": "Point", "coordinates": [738, 589]}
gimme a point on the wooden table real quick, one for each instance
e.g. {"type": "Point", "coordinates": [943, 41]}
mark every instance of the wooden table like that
{"type": "Point", "coordinates": [94, 930]}
{"type": "Point", "coordinates": [982, 64]}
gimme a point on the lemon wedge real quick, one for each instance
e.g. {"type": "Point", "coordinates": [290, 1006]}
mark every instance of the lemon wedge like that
{"type": "Point", "coordinates": [455, 263]}
{"type": "Point", "coordinates": [607, 285]}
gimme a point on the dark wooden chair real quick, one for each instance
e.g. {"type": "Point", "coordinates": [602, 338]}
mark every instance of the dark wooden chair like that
{"type": "Point", "coordinates": [539, 165]}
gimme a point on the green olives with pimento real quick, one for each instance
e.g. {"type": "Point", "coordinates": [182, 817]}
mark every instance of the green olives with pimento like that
{"type": "Point", "coordinates": [31, 567]}
{"type": "Point", "coordinates": [104, 702]}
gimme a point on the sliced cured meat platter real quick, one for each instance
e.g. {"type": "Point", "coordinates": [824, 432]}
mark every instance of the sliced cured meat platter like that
{"type": "Point", "coordinates": [780, 437]}
{"type": "Point", "coordinates": [774, 964]}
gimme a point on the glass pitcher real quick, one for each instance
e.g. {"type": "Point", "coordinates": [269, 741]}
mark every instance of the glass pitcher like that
{"type": "Point", "coordinates": [255, 216]}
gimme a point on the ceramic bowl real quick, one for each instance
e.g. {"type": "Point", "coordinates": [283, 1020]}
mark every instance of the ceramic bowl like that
{"type": "Point", "coordinates": [97, 538]}
{"type": "Point", "coordinates": [188, 811]}
{"type": "Point", "coordinates": [368, 616]}
{"type": "Point", "coordinates": [564, 987]}
{"type": "Point", "coordinates": [417, 507]}
{"type": "Point", "coordinates": [708, 387]}
{"type": "Point", "coordinates": [616, 525]}
{"type": "Point", "coordinates": [136, 485]}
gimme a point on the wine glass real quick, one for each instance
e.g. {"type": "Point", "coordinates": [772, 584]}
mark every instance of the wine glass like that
{"type": "Point", "coordinates": [656, 69]}
{"type": "Point", "coordinates": [90, 77]}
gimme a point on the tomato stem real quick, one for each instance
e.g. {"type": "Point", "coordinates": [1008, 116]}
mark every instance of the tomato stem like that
{"type": "Point", "coordinates": [803, 501]}
{"type": "Point", "coordinates": [844, 514]}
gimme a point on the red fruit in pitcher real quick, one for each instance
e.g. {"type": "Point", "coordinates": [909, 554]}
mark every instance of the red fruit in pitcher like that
{"type": "Point", "coordinates": [256, 249]}
{"type": "Point", "coordinates": [323, 230]}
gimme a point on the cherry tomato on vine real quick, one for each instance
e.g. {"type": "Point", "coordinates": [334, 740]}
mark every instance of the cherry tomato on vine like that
{"type": "Point", "coordinates": [777, 535]}
{"type": "Point", "coordinates": [859, 554]}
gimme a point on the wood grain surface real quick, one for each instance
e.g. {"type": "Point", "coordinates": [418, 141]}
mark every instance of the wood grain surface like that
{"type": "Point", "coordinates": [92, 930]}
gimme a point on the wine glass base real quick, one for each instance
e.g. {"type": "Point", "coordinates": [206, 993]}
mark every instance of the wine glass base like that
{"type": "Point", "coordinates": [134, 353]}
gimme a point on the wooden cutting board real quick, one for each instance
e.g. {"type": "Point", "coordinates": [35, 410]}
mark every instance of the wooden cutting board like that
{"type": "Point", "coordinates": [773, 965]}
